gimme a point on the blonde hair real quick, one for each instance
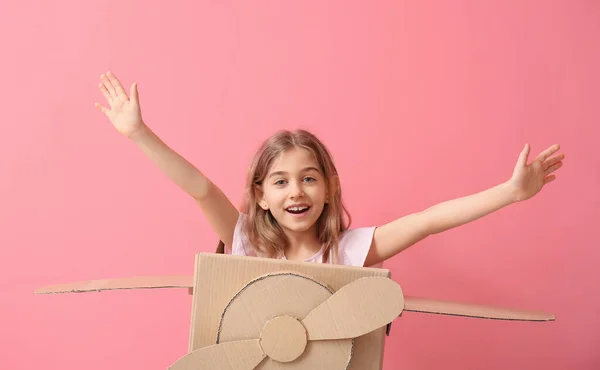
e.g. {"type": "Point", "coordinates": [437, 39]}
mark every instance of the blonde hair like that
{"type": "Point", "coordinates": [263, 231]}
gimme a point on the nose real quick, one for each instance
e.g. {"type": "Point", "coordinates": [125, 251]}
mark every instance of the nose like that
{"type": "Point", "coordinates": [296, 190]}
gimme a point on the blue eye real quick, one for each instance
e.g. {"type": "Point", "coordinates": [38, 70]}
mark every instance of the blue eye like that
{"type": "Point", "coordinates": [279, 182]}
{"type": "Point", "coordinates": [309, 179]}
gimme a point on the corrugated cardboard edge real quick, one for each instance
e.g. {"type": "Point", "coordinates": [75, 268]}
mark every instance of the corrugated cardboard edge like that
{"type": "Point", "coordinates": [194, 304]}
{"type": "Point", "coordinates": [138, 282]}
{"type": "Point", "coordinates": [453, 308]}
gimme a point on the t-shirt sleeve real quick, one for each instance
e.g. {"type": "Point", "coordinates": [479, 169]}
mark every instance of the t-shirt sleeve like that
{"type": "Point", "coordinates": [241, 245]}
{"type": "Point", "coordinates": [355, 245]}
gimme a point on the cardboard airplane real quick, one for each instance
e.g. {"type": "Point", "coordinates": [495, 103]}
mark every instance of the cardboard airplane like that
{"type": "Point", "coordinates": [257, 313]}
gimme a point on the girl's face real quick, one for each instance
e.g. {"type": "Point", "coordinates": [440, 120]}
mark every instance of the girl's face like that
{"type": "Point", "coordinates": [294, 190]}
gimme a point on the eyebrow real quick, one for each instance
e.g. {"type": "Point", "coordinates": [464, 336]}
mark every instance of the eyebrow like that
{"type": "Point", "coordinates": [307, 169]}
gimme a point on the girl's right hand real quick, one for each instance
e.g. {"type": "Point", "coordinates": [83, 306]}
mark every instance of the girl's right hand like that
{"type": "Point", "coordinates": [124, 112]}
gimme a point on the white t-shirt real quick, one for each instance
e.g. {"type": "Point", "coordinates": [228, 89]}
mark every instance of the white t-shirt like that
{"type": "Point", "coordinates": [353, 247]}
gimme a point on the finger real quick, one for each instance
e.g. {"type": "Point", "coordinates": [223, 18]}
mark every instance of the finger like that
{"type": "Point", "coordinates": [552, 160]}
{"type": "Point", "coordinates": [548, 152]}
{"type": "Point", "coordinates": [134, 93]}
{"type": "Point", "coordinates": [116, 84]}
{"type": "Point", "coordinates": [549, 179]}
{"type": "Point", "coordinates": [522, 161]}
{"type": "Point", "coordinates": [105, 92]}
{"type": "Point", "coordinates": [553, 168]}
{"type": "Point", "coordinates": [102, 108]}
{"type": "Point", "coordinates": [109, 87]}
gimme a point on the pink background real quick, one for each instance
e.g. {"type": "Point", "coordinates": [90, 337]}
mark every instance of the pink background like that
{"type": "Point", "coordinates": [419, 101]}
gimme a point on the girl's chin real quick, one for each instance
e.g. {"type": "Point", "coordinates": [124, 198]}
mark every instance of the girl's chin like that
{"type": "Point", "coordinates": [297, 224]}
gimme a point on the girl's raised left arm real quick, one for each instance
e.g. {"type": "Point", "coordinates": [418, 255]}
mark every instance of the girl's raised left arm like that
{"type": "Point", "coordinates": [526, 181]}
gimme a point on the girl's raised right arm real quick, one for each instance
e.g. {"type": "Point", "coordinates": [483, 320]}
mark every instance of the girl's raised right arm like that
{"type": "Point", "coordinates": [125, 115]}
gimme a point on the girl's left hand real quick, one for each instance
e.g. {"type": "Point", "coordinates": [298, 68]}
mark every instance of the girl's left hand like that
{"type": "Point", "coordinates": [528, 179]}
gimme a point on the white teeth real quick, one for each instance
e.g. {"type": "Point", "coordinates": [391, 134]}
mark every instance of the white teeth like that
{"type": "Point", "coordinates": [297, 209]}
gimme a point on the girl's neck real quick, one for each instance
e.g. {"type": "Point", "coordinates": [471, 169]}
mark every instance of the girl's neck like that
{"type": "Point", "coordinates": [302, 245]}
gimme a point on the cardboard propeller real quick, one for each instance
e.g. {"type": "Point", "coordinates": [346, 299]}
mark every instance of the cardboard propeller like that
{"type": "Point", "coordinates": [276, 315]}
{"type": "Point", "coordinates": [284, 338]}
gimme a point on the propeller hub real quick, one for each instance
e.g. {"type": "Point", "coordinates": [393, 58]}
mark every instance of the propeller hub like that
{"type": "Point", "coordinates": [283, 338]}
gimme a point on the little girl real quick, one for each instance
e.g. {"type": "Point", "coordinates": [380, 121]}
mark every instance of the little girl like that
{"type": "Point", "coordinates": [293, 203]}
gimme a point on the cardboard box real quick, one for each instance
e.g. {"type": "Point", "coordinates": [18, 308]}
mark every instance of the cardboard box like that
{"type": "Point", "coordinates": [256, 313]}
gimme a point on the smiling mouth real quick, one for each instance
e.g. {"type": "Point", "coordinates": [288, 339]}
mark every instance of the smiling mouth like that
{"type": "Point", "coordinates": [296, 210]}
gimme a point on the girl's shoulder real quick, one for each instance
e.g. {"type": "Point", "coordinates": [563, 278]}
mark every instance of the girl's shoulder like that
{"type": "Point", "coordinates": [241, 244]}
{"type": "Point", "coordinates": [355, 245]}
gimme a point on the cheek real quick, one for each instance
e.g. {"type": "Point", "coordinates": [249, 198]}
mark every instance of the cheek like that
{"type": "Point", "coordinates": [319, 195]}
{"type": "Point", "coordinates": [274, 198]}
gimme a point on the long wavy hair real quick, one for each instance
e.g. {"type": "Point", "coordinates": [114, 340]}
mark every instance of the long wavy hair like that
{"type": "Point", "coordinates": [263, 231]}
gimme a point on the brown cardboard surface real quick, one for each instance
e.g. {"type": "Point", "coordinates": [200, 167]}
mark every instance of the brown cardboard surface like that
{"type": "Point", "coordinates": [218, 278]}
{"type": "Point", "coordinates": [138, 282]}
{"type": "Point", "coordinates": [426, 305]}
{"type": "Point", "coordinates": [239, 355]}
{"type": "Point", "coordinates": [283, 338]}
{"type": "Point", "coordinates": [355, 309]}
{"type": "Point", "coordinates": [300, 295]}
{"type": "Point", "coordinates": [295, 295]}
{"type": "Point", "coordinates": [256, 313]}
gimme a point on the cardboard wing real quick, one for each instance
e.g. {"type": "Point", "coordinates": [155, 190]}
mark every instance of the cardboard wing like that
{"type": "Point", "coordinates": [140, 282]}
{"type": "Point", "coordinates": [253, 313]}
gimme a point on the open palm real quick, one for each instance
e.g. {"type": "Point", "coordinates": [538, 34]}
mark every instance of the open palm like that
{"type": "Point", "coordinates": [529, 179]}
{"type": "Point", "coordinates": [124, 111]}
